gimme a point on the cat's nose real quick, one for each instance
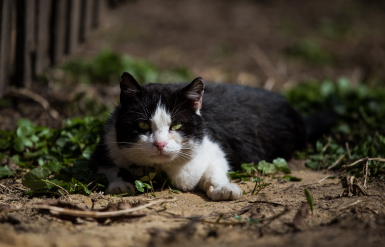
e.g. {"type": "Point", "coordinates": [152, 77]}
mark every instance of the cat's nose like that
{"type": "Point", "coordinates": [160, 145]}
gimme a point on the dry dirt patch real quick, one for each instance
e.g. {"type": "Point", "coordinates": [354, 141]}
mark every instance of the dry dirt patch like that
{"type": "Point", "coordinates": [337, 221]}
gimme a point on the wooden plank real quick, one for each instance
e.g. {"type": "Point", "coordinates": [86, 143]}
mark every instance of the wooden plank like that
{"type": "Point", "coordinates": [73, 25]}
{"type": "Point", "coordinates": [6, 7]}
{"type": "Point", "coordinates": [58, 30]}
{"type": "Point", "coordinates": [25, 41]}
{"type": "Point", "coordinates": [96, 13]}
{"type": "Point", "coordinates": [86, 20]}
{"type": "Point", "coordinates": [42, 29]}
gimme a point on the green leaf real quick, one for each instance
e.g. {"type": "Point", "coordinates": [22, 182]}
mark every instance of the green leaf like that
{"type": "Point", "coordinates": [291, 178]}
{"type": "Point", "coordinates": [312, 164]}
{"type": "Point", "coordinates": [152, 175]}
{"type": "Point", "coordinates": [256, 179]}
{"type": "Point", "coordinates": [237, 217]}
{"type": "Point", "coordinates": [139, 185]}
{"type": "Point", "coordinates": [153, 194]}
{"type": "Point", "coordinates": [25, 130]}
{"type": "Point", "coordinates": [147, 185]}
{"type": "Point", "coordinates": [309, 199]}
{"type": "Point", "coordinates": [18, 144]}
{"type": "Point", "coordinates": [281, 165]}
{"type": "Point", "coordinates": [88, 151]}
{"type": "Point", "coordinates": [33, 179]}
{"type": "Point", "coordinates": [145, 179]}
{"type": "Point", "coordinates": [4, 171]}
{"type": "Point", "coordinates": [53, 166]}
{"type": "Point", "coordinates": [266, 168]}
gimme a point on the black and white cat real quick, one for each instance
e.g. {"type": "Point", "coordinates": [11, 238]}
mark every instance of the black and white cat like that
{"type": "Point", "coordinates": [194, 138]}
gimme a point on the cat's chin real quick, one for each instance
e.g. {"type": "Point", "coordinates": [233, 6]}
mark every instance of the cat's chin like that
{"type": "Point", "coordinates": [159, 158]}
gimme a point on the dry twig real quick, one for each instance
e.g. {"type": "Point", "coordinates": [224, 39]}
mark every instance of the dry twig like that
{"type": "Point", "coordinates": [337, 161]}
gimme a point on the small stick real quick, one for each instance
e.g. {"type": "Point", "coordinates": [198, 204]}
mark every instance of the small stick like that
{"type": "Point", "coordinates": [47, 181]}
{"type": "Point", "coordinates": [92, 182]}
{"type": "Point", "coordinates": [365, 171]}
{"type": "Point", "coordinates": [323, 179]}
{"type": "Point", "coordinates": [326, 146]}
{"type": "Point", "coordinates": [349, 205]}
{"type": "Point", "coordinates": [337, 162]}
{"type": "Point", "coordinates": [364, 159]}
{"type": "Point", "coordinates": [347, 148]}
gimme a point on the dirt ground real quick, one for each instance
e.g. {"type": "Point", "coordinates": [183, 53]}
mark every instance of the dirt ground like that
{"type": "Point", "coordinates": [338, 221]}
{"type": "Point", "coordinates": [222, 42]}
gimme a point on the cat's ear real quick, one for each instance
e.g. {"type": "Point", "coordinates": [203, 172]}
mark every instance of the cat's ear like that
{"type": "Point", "coordinates": [129, 85]}
{"type": "Point", "coordinates": [194, 92]}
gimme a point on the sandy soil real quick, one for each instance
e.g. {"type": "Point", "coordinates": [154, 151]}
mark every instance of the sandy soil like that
{"type": "Point", "coordinates": [338, 221]}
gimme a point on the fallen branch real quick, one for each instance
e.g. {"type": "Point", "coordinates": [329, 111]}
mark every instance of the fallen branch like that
{"type": "Point", "coordinates": [364, 159]}
{"type": "Point", "coordinates": [25, 92]}
{"type": "Point", "coordinates": [96, 214]}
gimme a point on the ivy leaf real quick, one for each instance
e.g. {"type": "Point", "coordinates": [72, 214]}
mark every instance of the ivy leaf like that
{"type": "Point", "coordinates": [266, 168]}
{"type": "Point", "coordinates": [18, 144]}
{"type": "Point", "coordinates": [139, 185]}
{"type": "Point", "coordinates": [4, 171]}
{"type": "Point", "coordinates": [147, 185]}
{"type": "Point", "coordinates": [53, 166]}
{"type": "Point", "coordinates": [281, 165]}
{"type": "Point", "coordinates": [152, 175]}
{"type": "Point", "coordinates": [33, 179]}
{"type": "Point", "coordinates": [88, 152]}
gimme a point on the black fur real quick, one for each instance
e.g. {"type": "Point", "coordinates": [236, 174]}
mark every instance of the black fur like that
{"type": "Point", "coordinates": [250, 124]}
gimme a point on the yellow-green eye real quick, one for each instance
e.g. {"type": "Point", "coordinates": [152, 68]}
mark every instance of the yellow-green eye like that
{"type": "Point", "coordinates": [176, 126]}
{"type": "Point", "coordinates": [143, 125]}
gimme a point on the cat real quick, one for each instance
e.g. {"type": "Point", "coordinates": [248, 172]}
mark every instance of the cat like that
{"type": "Point", "coordinates": [195, 133]}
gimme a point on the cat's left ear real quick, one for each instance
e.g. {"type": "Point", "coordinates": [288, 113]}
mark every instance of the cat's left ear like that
{"type": "Point", "coordinates": [194, 92]}
{"type": "Point", "coordinates": [129, 85]}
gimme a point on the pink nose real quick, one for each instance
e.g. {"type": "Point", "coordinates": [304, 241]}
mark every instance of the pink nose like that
{"type": "Point", "coordinates": [160, 145]}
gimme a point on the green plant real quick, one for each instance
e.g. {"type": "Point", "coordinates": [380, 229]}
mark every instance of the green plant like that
{"type": "Point", "coordinates": [310, 201]}
{"type": "Point", "coordinates": [57, 159]}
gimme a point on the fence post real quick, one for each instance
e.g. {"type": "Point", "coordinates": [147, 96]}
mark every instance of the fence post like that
{"type": "Point", "coordinates": [73, 25]}
{"type": "Point", "coordinates": [58, 30]}
{"type": "Point", "coordinates": [43, 10]}
{"type": "Point", "coordinates": [86, 20]}
{"type": "Point", "coordinates": [6, 7]}
{"type": "Point", "coordinates": [25, 41]}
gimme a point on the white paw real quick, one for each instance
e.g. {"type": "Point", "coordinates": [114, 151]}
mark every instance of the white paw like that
{"type": "Point", "coordinates": [120, 187]}
{"type": "Point", "coordinates": [226, 192]}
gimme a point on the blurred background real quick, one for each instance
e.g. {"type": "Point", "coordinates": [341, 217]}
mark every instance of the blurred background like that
{"type": "Point", "coordinates": [62, 59]}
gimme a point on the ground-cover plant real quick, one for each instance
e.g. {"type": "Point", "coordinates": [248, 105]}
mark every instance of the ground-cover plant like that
{"type": "Point", "coordinates": [359, 131]}
{"type": "Point", "coordinates": [107, 66]}
{"type": "Point", "coordinates": [55, 159]}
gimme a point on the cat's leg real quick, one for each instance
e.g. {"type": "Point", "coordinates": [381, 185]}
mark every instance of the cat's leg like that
{"type": "Point", "coordinates": [216, 184]}
{"type": "Point", "coordinates": [120, 180]}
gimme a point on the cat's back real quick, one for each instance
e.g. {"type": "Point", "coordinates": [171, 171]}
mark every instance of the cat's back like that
{"type": "Point", "coordinates": [251, 124]}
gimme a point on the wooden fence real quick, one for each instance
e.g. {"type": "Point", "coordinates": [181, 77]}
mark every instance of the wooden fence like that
{"type": "Point", "coordinates": [36, 34]}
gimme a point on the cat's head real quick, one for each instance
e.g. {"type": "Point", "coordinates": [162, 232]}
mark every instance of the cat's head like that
{"type": "Point", "coordinates": [158, 123]}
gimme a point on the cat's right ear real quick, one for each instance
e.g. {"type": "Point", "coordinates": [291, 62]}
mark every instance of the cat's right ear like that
{"type": "Point", "coordinates": [129, 85]}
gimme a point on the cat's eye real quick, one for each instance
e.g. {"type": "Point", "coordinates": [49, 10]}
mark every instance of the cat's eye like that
{"type": "Point", "coordinates": [176, 126]}
{"type": "Point", "coordinates": [143, 125]}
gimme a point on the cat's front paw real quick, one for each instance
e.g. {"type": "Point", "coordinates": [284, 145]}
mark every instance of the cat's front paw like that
{"type": "Point", "coordinates": [226, 192]}
{"type": "Point", "coordinates": [120, 187]}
